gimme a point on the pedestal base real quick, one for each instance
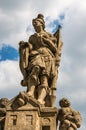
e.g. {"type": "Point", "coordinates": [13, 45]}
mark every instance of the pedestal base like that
{"type": "Point", "coordinates": [31, 116]}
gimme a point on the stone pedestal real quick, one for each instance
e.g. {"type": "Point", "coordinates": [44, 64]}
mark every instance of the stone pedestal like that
{"type": "Point", "coordinates": [30, 116]}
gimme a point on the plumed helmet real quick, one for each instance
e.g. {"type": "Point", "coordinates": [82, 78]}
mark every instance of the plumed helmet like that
{"type": "Point", "coordinates": [39, 18]}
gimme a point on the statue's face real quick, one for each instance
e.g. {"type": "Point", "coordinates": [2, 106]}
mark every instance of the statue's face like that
{"type": "Point", "coordinates": [36, 23]}
{"type": "Point", "coordinates": [64, 103]}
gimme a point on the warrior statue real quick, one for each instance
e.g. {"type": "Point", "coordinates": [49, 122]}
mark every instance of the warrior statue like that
{"type": "Point", "coordinates": [39, 61]}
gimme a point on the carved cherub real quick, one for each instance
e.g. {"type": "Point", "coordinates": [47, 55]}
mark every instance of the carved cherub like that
{"type": "Point", "coordinates": [69, 118]}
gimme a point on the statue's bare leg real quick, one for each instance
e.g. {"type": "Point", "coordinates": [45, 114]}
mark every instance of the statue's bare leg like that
{"type": "Point", "coordinates": [71, 128]}
{"type": "Point", "coordinates": [33, 81]}
{"type": "Point", "coordinates": [42, 90]}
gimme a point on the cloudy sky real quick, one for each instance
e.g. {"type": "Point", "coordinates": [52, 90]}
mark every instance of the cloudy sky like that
{"type": "Point", "coordinates": [15, 25]}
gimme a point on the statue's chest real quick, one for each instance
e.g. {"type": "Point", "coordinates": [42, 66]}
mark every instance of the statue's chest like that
{"type": "Point", "coordinates": [37, 42]}
{"type": "Point", "coordinates": [66, 111]}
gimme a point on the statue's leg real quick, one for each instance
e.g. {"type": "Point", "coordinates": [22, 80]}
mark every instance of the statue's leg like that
{"type": "Point", "coordinates": [63, 128]}
{"type": "Point", "coordinates": [35, 72]}
{"type": "Point", "coordinates": [65, 125]}
{"type": "Point", "coordinates": [42, 89]}
{"type": "Point", "coordinates": [31, 88]}
{"type": "Point", "coordinates": [71, 128]}
{"type": "Point", "coordinates": [33, 81]}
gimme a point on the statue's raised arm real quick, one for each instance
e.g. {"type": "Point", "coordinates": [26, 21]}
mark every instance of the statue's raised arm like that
{"type": "Point", "coordinates": [39, 61]}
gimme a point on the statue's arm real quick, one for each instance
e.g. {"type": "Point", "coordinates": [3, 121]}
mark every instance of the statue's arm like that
{"type": "Point", "coordinates": [77, 118]}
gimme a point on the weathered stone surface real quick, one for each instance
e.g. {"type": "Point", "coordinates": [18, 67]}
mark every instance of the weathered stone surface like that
{"type": "Point", "coordinates": [34, 109]}
{"type": "Point", "coordinates": [69, 118]}
{"type": "Point", "coordinates": [3, 103]}
{"type": "Point", "coordinates": [30, 116]}
{"type": "Point", "coordinates": [39, 62]}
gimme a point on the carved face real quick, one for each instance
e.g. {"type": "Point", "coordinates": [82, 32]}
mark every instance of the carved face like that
{"type": "Point", "coordinates": [64, 102]}
{"type": "Point", "coordinates": [37, 23]}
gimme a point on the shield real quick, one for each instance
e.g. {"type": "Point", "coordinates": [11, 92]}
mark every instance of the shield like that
{"type": "Point", "coordinates": [24, 56]}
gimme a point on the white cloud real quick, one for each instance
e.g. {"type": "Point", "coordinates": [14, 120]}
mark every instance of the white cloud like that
{"type": "Point", "coordinates": [9, 73]}
{"type": "Point", "coordinates": [15, 16]}
{"type": "Point", "coordinates": [10, 78]}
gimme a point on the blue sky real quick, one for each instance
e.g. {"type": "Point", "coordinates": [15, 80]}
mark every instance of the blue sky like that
{"type": "Point", "coordinates": [8, 53]}
{"type": "Point", "coordinates": [16, 24]}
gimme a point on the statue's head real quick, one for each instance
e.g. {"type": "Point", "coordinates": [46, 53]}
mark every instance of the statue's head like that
{"type": "Point", "coordinates": [39, 21]}
{"type": "Point", "coordinates": [64, 102]}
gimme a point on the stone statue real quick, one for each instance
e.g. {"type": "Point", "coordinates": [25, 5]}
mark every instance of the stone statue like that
{"type": "Point", "coordinates": [39, 61]}
{"type": "Point", "coordinates": [34, 108]}
{"type": "Point", "coordinates": [3, 103]}
{"type": "Point", "coordinates": [69, 118]}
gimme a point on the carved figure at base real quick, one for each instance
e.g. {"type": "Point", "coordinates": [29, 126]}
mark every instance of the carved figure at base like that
{"type": "Point", "coordinates": [3, 103]}
{"type": "Point", "coordinates": [39, 61]}
{"type": "Point", "coordinates": [69, 118]}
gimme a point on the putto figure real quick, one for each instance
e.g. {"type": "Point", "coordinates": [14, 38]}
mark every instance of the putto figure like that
{"type": "Point", "coordinates": [39, 61]}
{"type": "Point", "coordinates": [69, 118]}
